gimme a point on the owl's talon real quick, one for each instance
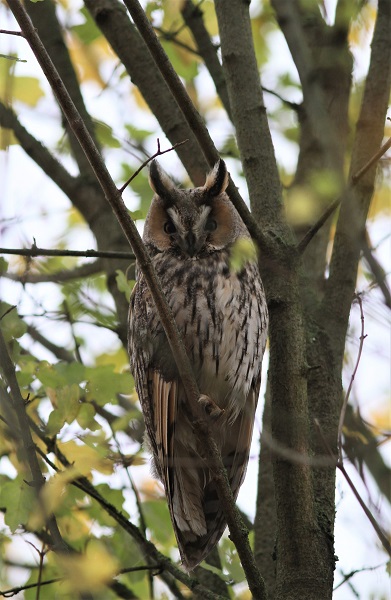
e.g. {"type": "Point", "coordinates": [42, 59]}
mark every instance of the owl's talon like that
{"type": "Point", "coordinates": [211, 409]}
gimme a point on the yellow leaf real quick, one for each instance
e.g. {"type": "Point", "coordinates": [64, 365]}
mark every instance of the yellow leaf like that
{"type": "Point", "coordinates": [89, 572]}
{"type": "Point", "coordinates": [85, 458]}
{"type": "Point", "coordinates": [22, 88]}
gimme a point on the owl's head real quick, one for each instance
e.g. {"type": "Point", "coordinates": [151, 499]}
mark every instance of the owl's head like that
{"type": "Point", "coordinates": [193, 222]}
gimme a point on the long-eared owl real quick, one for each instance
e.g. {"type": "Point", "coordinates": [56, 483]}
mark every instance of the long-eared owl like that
{"type": "Point", "coordinates": [222, 316]}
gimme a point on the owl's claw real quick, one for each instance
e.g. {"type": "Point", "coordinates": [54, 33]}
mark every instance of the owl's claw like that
{"type": "Point", "coordinates": [211, 409]}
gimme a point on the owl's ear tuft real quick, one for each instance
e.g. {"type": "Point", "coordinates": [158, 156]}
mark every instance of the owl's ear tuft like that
{"type": "Point", "coordinates": [217, 180]}
{"type": "Point", "coordinates": [161, 183]}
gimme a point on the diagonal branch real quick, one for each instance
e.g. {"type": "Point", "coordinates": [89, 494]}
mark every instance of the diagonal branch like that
{"type": "Point", "coordinates": [237, 530]}
{"type": "Point", "coordinates": [193, 17]}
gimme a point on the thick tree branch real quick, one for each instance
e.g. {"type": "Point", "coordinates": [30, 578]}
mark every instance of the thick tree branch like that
{"type": "Point", "coordinates": [288, 17]}
{"type": "Point", "coordinates": [193, 17]}
{"type": "Point", "coordinates": [356, 200]}
{"type": "Point", "coordinates": [249, 115]}
{"type": "Point", "coordinates": [214, 461]}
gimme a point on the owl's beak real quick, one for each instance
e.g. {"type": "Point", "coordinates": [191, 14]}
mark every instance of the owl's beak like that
{"type": "Point", "coordinates": [190, 244]}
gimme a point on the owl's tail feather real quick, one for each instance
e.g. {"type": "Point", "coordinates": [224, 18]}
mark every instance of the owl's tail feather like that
{"type": "Point", "coordinates": [194, 549]}
{"type": "Point", "coordinates": [187, 509]}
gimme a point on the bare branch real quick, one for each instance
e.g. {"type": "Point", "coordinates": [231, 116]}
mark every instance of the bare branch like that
{"type": "Point", "coordinates": [375, 158]}
{"type": "Point", "coordinates": [9, 32]}
{"type": "Point", "coordinates": [334, 205]}
{"type": "Point", "coordinates": [80, 272]}
{"type": "Point", "coordinates": [58, 351]}
{"type": "Point", "coordinates": [377, 270]}
{"type": "Point", "coordinates": [35, 251]}
{"type": "Point", "coordinates": [141, 167]}
{"type": "Point", "coordinates": [193, 17]}
{"type": "Point", "coordinates": [347, 395]}
{"type": "Point", "coordinates": [380, 533]}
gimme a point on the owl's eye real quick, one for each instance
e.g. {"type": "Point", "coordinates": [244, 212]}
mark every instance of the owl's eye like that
{"type": "Point", "coordinates": [169, 227]}
{"type": "Point", "coordinates": [210, 225]}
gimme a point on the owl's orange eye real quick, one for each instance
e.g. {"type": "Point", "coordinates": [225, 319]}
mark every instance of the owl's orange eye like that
{"type": "Point", "coordinates": [169, 227]}
{"type": "Point", "coordinates": [210, 225]}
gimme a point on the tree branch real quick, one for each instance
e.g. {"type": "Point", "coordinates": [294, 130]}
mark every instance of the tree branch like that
{"type": "Point", "coordinates": [355, 204]}
{"type": "Point", "coordinates": [43, 15]}
{"type": "Point", "coordinates": [80, 272]}
{"type": "Point", "coordinates": [193, 17]}
{"type": "Point", "coordinates": [35, 251]}
{"type": "Point", "coordinates": [288, 17]}
{"type": "Point", "coordinates": [214, 461]}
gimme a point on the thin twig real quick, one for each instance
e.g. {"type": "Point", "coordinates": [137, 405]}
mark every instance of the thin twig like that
{"type": "Point", "coordinates": [157, 153]}
{"type": "Point", "coordinates": [302, 245]}
{"type": "Point", "coordinates": [346, 399]}
{"type": "Point", "coordinates": [35, 251]}
{"type": "Point", "coordinates": [382, 537]}
{"type": "Point", "coordinates": [313, 230]}
{"type": "Point", "coordinates": [9, 32]}
{"type": "Point", "coordinates": [375, 158]}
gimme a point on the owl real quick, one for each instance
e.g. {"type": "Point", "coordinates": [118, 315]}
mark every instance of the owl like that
{"type": "Point", "coordinates": [222, 316]}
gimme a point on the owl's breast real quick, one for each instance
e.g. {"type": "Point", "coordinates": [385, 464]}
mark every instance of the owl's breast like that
{"type": "Point", "coordinates": [222, 316]}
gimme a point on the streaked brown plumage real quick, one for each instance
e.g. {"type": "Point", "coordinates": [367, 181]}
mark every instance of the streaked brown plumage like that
{"type": "Point", "coordinates": [222, 316]}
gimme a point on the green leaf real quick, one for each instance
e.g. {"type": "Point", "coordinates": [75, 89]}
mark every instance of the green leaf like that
{"type": "Point", "coordinates": [105, 135]}
{"type": "Point", "coordinates": [12, 325]}
{"type": "Point", "coordinates": [18, 498]}
{"type": "Point", "coordinates": [67, 402]}
{"type": "Point", "coordinates": [242, 252]}
{"type": "Point", "coordinates": [87, 32]}
{"type": "Point", "coordinates": [86, 417]}
{"type": "Point", "coordinates": [104, 384]}
{"type": "Point", "coordinates": [124, 284]}
{"type": "Point", "coordinates": [158, 520]}
{"type": "Point", "coordinates": [138, 135]}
